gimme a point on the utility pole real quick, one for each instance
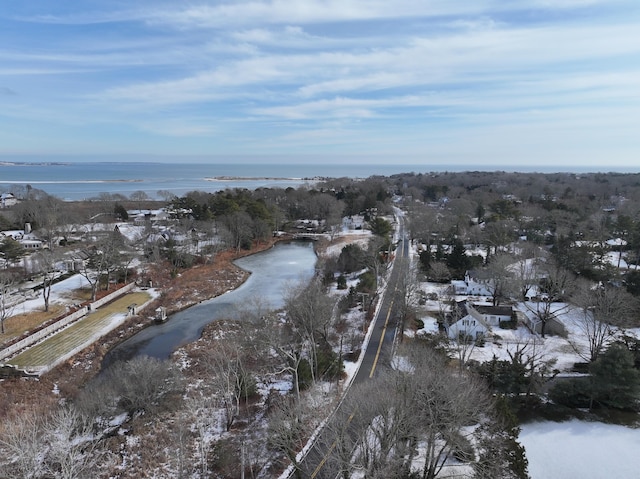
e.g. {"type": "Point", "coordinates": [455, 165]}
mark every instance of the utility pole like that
{"type": "Point", "coordinates": [364, 309]}
{"type": "Point", "coordinates": [363, 297]}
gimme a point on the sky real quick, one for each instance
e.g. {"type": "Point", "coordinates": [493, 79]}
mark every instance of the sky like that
{"type": "Point", "coordinates": [474, 82]}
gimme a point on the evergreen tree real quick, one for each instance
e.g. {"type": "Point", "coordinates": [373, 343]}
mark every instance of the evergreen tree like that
{"type": "Point", "coordinates": [425, 258]}
{"type": "Point", "coordinates": [11, 250]}
{"type": "Point", "coordinates": [352, 258]}
{"type": "Point", "coordinates": [380, 227]}
{"type": "Point", "coordinates": [615, 382]}
{"type": "Point", "coordinates": [457, 260]}
{"type": "Point", "coordinates": [120, 212]}
{"type": "Point", "coordinates": [501, 455]}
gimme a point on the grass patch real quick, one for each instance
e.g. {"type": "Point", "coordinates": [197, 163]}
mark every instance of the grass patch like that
{"type": "Point", "coordinates": [81, 333]}
{"type": "Point", "coordinates": [19, 324]}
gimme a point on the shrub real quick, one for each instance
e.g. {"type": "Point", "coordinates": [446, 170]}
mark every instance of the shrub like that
{"type": "Point", "coordinates": [513, 324]}
{"type": "Point", "coordinates": [574, 393]}
{"type": "Point", "coordinates": [615, 381]}
{"type": "Point", "coordinates": [367, 282]}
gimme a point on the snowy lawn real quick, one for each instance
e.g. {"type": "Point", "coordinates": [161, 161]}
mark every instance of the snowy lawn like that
{"type": "Point", "coordinates": [581, 450]}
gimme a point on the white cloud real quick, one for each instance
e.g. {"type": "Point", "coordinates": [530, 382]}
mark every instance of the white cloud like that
{"type": "Point", "coordinates": [181, 127]}
{"type": "Point", "coordinates": [351, 74]}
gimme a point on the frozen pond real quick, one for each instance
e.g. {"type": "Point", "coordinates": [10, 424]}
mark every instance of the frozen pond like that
{"type": "Point", "coordinates": [581, 450]}
{"type": "Point", "coordinates": [272, 271]}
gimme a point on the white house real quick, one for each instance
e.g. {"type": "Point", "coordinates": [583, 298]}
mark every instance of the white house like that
{"type": "Point", "coordinates": [479, 321]}
{"type": "Point", "coordinates": [494, 315]}
{"type": "Point", "coordinates": [143, 216]}
{"type": "Point", "coordinates": [31, 244]}
{"type": "Point", "coordinates": [530, 314]}
{"type": "Point", "coordinates": [472, 285]}
{"type": "Point", "coordinates": [27, 239]}
{"type": "Point", "coordinates": [7, 199]}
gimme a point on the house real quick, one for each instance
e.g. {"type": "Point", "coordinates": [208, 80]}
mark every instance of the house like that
{"type": "Point", "coordinates": [25, 237]}
{"type": "Point", "coordinates": [495, 315]}
{"type": "Point", "coordinates": [144, 216]}
{"type": "Point", "coordinates": [553, 326]}
{"type": "Point", "coordinates": [479, 321]}
{"type": "Point", "coordinates": [31, 244]}
{"type": "Point", "coordinates": [7, 200]}
{"type": "Point", "coordinates": [475, 283]}
{"type": "Point", "coordinates": [471, 326]}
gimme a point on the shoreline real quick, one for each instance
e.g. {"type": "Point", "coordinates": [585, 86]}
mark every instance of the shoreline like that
{"type": "Point", "coordinates": [263, 178]}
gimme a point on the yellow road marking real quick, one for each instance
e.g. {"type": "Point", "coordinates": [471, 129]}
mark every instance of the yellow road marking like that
{"type": "Point", "coordinates": [326, 456]}
{"type": "Point", "coordinates": [373, 369]}
{"type": "Point", "coordinates": [384, 330]}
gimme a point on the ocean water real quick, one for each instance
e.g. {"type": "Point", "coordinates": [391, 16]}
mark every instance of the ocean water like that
{"type": "Point", "coordinates": [77, 181]}
{"type": "Point", "coordinates": [87, 180]}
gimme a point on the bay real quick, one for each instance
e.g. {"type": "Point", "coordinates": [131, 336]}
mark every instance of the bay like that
{"type": "Point", "coordinates": [80, 181]}
{"type": "Point", "coordinates": [77, 180]}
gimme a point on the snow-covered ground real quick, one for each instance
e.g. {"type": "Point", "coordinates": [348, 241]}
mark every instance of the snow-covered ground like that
{"type": "Point", "coordinates": [60, 294]}
{"type": "Point", "coordinates": [581, 450]}
{"type": "Point", "coordinates": [574, 449]}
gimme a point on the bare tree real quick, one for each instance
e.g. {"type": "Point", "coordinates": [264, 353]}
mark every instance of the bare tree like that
{"type": "Point", "coordinates": [374, 257]}
{"type": "Point", "coordinates": [327, 208]}
{"type": "Point", "coordinates": [239, 228]}
{"type": "Point", "coordinates": [229, 379]}
{"type": "Point", "coordinates": [166, 195]}
{"type": "Point", "coordinates": [51, 214]}
{"type": "Point", "coordinates": [8, 280]}
{"type": "Point", "coordinates": [139, 197]}
{"type": "Point", "coordinates": [604, 309]}
{"type": "Point", "coordinates": [499, 234]}
{"type": "Point", "coordinates": [557, 285]}
{"type": "Point", "coordinates": [529, 367]}
{"type": "Point", "coordinates": [383, 423]}
{"type": "Point", "coordinates": [422, 222]}
{"type": "Point", "coordinates": [45, 262]}
{"type": "Point", "coordinates": [439, 272]}
{"type": "Point", "coordinates": [525, 276]}
{"type": "Point", "coordinates": [102, 259]}
{"type": "Point", "coordinates": [425, 406]}
{"type": "Point", "coordinates": [141, 383]}
{"type": "Point", "coordinates": [21, 446]}
{"type": "Point", "coordinates": [72, 453]}
{"type": "Point", "coordinates": [310, 313]}
{"type": "Point", "coordinates": [500, 283]}
{"type": "Point", "coordinates": [181, 461]}
{"type": "Point", "coordinates": [444, 404]}
{"type": "Point", "coordinates": [408, 290]}
{"type": "Point", "coordinates": [287, 429]}
{"type": "Point", "coordinates": [278, 338]}
{"type": "Point", "coordinates": [199, 412]}
{"type": "Point", "coordinates": [61, 444]}
{"type": "Point", "coordinates": [463, 346]}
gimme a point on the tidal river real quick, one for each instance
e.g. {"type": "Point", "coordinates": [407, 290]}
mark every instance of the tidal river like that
{"type": "Point", "coordinates": [272, 271]}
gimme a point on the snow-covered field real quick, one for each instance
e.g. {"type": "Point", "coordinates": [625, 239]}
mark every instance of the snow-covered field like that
{"type": "Point", "coordinates": [60, 293]}
{"type": "Point", "coordinates": [581, 450]}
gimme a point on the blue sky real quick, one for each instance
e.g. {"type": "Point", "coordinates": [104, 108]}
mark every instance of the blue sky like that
{"type": "Point", "coordinates": [476, 82]}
